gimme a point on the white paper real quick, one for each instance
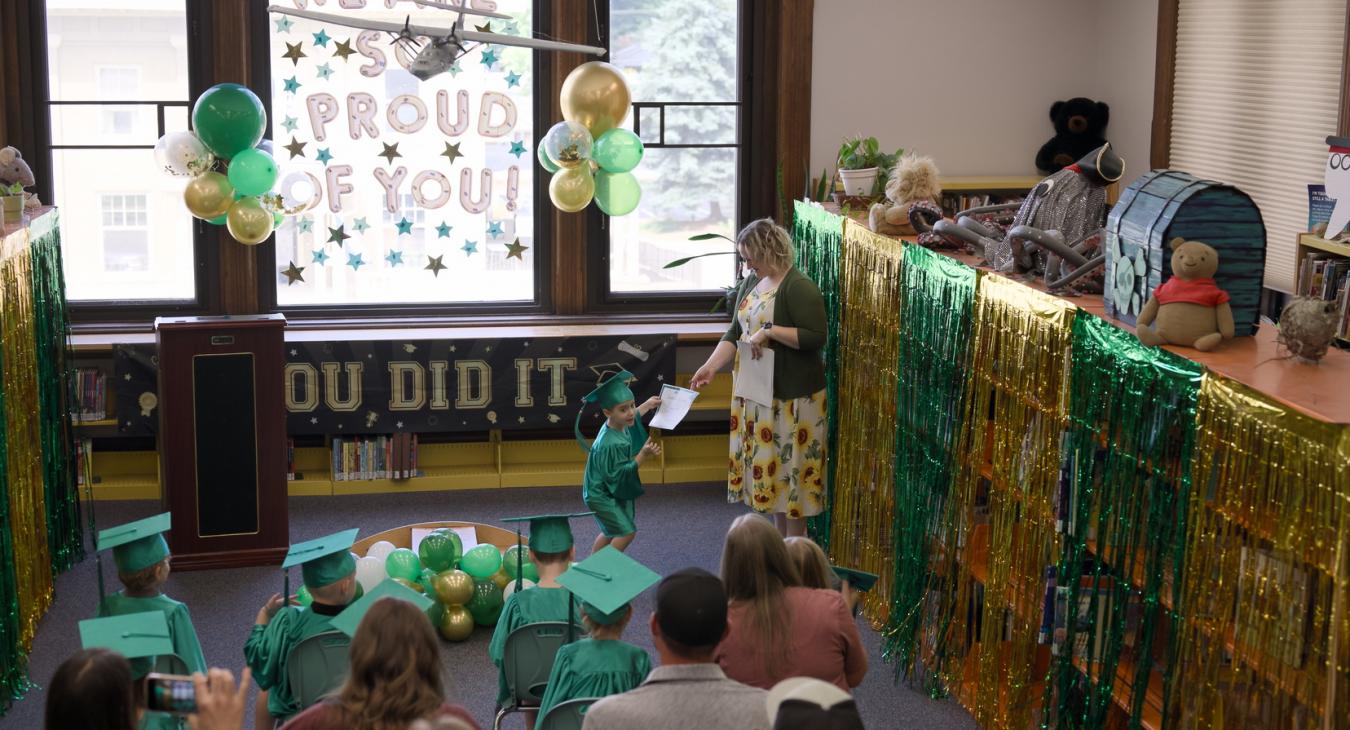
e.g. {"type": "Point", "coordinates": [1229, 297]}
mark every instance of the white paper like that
{"type": "Point", "coordinates": [675, 405]}
{"type": "Point", "coordinates": [417, 534]}
{"type": "Point", "coordinates": [753, 379]}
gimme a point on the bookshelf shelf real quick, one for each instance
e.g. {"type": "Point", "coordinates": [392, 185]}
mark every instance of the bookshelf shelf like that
{"type": "Point", "coordinates": [100, 423]}
{"type": "Point", "coordinates": [1121, 689]}
{"type": "Point", "coordinates": [1321, 267]}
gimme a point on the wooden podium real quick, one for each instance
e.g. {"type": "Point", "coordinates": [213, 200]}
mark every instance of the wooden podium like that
{"type": "Point", "coordinates": [222, 439]}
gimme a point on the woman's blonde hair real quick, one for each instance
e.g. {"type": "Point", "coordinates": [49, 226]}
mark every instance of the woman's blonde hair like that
{"type": "Point", "coordinates": [756, 571]}
{"type": "Point", "coordinates": [395, 675]}
{"type": "Point", "coordinates": [767, 241]}
{"type": "Point", "coordinates": [812, 565]}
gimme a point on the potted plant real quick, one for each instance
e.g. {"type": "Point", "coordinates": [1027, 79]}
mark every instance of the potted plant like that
{"type": "Point", "coordinates": [863, 167]}
{"type": "Point", "coordinates": [13, 203]}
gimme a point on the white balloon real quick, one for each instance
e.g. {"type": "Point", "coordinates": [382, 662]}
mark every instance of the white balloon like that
{"type": "Point", "coordinates": [181, 154]}
{"type": "Point", "coordinates": [525, 584]}
{"type": "Point", "coordinates": [380, 550]}
{"type": "Point", "coordinates": [370, 572]}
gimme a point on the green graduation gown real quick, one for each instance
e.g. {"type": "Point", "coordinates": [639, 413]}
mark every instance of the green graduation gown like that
{"type": "Point", "coordinates": [529, 606]}
{"type": "Point", "coordinates": [269, 646]}
{"type": "Point", "coordinates": [594, 668]}
{"type": "Point", "coordinates": [611, 480]}
{"type": "Point", "coordinates": [184, 638]}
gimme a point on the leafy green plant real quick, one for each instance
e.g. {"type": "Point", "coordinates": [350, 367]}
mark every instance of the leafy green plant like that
{"type": "Point", "coordinates": [726, 291]}
{"type": "Point", "coordinates": [15, 189]}
{"type": "Point", "coordinates": [860, 153]}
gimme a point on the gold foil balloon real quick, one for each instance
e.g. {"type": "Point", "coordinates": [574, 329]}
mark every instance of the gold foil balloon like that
{"type": "Point", "coordinates": [453, 588]}
{"type": "Point", "coordinates": [572, 189]}
{"type": "Point", "coordinates": [409, 584]}
{"type": "Point", "coordinates": [248, 221]}
{"type": "Point", "coordinates": [456, 623]}
{"type": "Point", "coordinates": [501, 578]}
{"type": "Point", "coordinates": [596, 95]}
{"type": "Point", "coordinates": [209, 195]}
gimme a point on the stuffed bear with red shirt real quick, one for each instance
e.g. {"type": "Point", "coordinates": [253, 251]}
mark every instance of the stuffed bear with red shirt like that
{"type": "Point", "coordinates": [1189, 309]}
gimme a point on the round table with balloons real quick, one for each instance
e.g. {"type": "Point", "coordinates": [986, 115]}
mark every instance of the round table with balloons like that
{"type": "Point", "coordinates": [590, 156]}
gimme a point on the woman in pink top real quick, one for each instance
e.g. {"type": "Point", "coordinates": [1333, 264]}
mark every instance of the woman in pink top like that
{"type": "Point", "coordinates": [776, 628]}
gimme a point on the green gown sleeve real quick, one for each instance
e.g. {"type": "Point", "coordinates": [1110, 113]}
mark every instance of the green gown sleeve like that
{"type": "Point", "coordinates": [559, 687]}
{"type": "Point", "coordinates": [185, 643]}
{"type": "Point", "coordinates": [266, 647]}
{"type": "Point", "coordinates": [506, 623]}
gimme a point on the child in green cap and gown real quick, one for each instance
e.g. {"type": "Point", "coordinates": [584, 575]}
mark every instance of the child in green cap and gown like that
{"type": "Point", "coordinates": [140, 637]}
{"type": "Point", "coordinates": [611, 482]}
{"type": "Point", "coordinates": [601, 665]}
{"type": "Point", "coordinates": [329, 572]}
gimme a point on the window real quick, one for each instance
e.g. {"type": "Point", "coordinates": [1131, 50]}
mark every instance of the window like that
{"type": "Point", "coordinates": [398, 169]}
{"type": "Point", "coordinates": [126, 234]}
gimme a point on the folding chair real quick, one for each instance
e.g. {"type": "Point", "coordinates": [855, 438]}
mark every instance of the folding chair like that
{"type": "Point", "coordinates": [317, 666]}
{"type": "Point", "coordinates": [566, 715]}
{"type": "Point", "coordinates": [527, 660]}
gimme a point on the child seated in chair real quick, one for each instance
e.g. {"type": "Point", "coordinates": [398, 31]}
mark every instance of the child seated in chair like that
{"type": "Point", "coordinates": [602, 665]}
{"type": "Point", "coordinates": [329, 572]}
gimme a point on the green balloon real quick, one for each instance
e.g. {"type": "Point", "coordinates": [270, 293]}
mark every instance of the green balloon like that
{"type": "Point", "coordinates": [438, 551]}
{"type": "Point", "coordinates": [403, 563]}
{"type": "Point", "coordinates": [425, 579]}
{"type": "Point", "coordinates": [481, 562]}
{"type": "Point", "coordinates": [435, 613]}
{"type": "Point", "coordinates": [617, 150]}
{"type": "Point", "coordinates": [252, 172]}
{"type": "Point", "coordinates": [509, 560]}
{"type": "Point", "coordinates": [544, 160]}
{"type": "Point", "coordinates": [617, 193]}
{"type": "Point", "coordinates": [229, 119]}
{"type": "Point", "coordinates": [359, 592]}
{"type": "Point", "coordinates": [531, 572]}
{"type": "Point", "coordinates": [218, 221]}
{"type": "Point", "coordinates": [303, 596]}
{"type": "Point", "coordinates": [454, 537]}
{"type": "Point", "coordinates": [486, 604]}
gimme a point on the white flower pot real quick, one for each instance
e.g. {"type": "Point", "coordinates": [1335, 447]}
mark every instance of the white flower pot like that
{"type": "Point", "coordinates": [859, 182]}
{"type": "Point", "coordinates": [13, 208]}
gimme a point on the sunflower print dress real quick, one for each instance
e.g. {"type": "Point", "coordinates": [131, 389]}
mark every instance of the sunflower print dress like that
{"type": "Point", "coordinates": [777, 451]}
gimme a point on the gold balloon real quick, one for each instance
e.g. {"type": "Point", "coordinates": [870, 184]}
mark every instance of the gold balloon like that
{"type": "Point", "coordinates": [209, 195]}
{"type": "Point", "coordinates": [572, 189]}
{"type": "Point", "coordinates": [249, 222]}
{"type": "Point", "coordinates": [501, 578]}
{"type": "Point", "coordinates": [595, 95]}
{"type": "Point", "coordinates": [409, 584]}
{"type": "Point", "coordinates": [456, 623]}
{"type": "Point", "coordinates": [453, 588]}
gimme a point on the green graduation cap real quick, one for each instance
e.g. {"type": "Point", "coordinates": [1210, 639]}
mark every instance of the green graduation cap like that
{"type": "Point", "coordinates": [137, 545]}
{"type": "Point", "coordinates": [607, 581]}
{"type": "Point", "coordinates": [549, 533]}
{"type": "Point", "coordinates": [350, 618]}
{"type": "Point", "coordinates": [324, 560]}
{"type": "Point", "coordinates": [608, 394]}
{"type": "Point", "coordinates": [132, 635]}
{"type": "Point", "coordinates": [861, 581]}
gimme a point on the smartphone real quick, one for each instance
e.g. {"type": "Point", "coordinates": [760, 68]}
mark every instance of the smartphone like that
{"type": "Point", "coordinates": [170, 693]}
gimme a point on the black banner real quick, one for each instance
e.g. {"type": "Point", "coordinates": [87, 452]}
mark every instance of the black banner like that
{"type": "Point", "coordinates": [419, 386]}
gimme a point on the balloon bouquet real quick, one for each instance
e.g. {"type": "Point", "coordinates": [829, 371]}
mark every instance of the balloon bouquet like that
{"type": "Point", "coordinates": [590, 157]}
{"type": "Point", "coordinates": [228, 122]}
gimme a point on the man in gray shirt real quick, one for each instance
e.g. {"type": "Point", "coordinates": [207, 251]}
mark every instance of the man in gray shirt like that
{"type": "Point", "coordinates": [688, 690]}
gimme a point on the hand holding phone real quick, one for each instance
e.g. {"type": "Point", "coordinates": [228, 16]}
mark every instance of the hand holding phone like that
{"type": "Point", "coordinates": [172, 693]}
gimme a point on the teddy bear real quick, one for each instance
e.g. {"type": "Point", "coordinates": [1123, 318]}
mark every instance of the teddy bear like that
{"type": "Point", "coordinates": [1079, 126]}
{"type": "Point", "coordinates": [1189, 309]}
{"type": "Point", "coordinates": [914, 179]}
{"type": "Point", "coordinates": [14, 170]}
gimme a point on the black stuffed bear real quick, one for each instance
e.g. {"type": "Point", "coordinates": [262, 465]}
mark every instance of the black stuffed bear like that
{"type": "Point", "coordinates": [1079, 124]}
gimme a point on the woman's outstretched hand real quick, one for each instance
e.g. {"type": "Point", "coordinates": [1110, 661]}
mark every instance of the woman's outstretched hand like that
{"type": "Point", "coordinates": [702, 377]}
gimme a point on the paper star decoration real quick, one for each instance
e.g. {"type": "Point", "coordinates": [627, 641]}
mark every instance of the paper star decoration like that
{"type": "Point", "coordinates": [443, 230]}
{"type": "Point", "coordinates": [360, 225]}
{"type": "Point", "coordinates": [321, 38]}
{"type": "Point", "coordinates": [354, 261]}
{"type": "Point", "coordinates": [289, 124]}
{"type": "Point", "coordinates": [512, 79]}
{"type": "Point", "coordinates": [292, 85]}
{"type": "Point", "coordinates": [494, 229]}
{"type": "Point", "coordinates": [517, 148]}
{"type": "Point", "coordinates": [390, 152]}
{"type": "Point", "coordinates": [293, 274]}
{"type": "Point", "coordinates": [435, 266]}
{"type": "Point", "coordinates": [284, 25]}
{"type": "Point", "coordinates": [489, 57]}
{"type": "Point", "coordinates": [320, 257]}
{"type": "Point", "coordinates": [484, 28]}
{"type": "Point", "coordinates": [296, 148]}
{"type": "Point", "coordinates": [343, 49]}
{"type": "Point", "coordinates": [452, 152]}
{"type": "Point", "coordinates": [324, 71]}
{"type": "Point", "coordinates": [394, 258]}
{"type": "Point", "coordinates": [294, 53]}
{"type": "Point", "coordinates": [324, 155]}
{"type": "Point", "coordinates": [404, 225]}
{"type": "Point", "coordinates": [337, 235]}
{"type": "Point", "coordinates": [305, 225]}
{"type": "Point", "coordinates": [469, 248]}
{"type": "Point", "coordinates": [455, 69]}
{"type": "Point", "coordinates": [514, 250]}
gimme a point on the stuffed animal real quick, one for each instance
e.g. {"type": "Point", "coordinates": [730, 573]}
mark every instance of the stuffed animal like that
{"type": "Point", "coordinates": [1079, 127]}
{"type": "Point", "coordinates": [1189, 309]}
{"type": "Point", "coordinates": [914, 179]}
{"type": "Point", "coordinates": [14, 170]}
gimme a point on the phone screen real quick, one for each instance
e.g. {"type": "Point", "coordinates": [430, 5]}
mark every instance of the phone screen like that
{"type": "Point", "coordinates": [170, 693]}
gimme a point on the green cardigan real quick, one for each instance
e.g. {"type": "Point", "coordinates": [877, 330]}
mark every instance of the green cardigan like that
{"type": "Point", "coordinates": [797, 373]}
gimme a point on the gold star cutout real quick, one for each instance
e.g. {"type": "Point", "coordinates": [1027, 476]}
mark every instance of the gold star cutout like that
{"type": "Point", "coordinates": [514, 250]}
{"type": "Point", "coordinates": [452, 152]}
{"type": "Point", "coordinates": [435, 266]}
{"type": "Point", "coordinates": [293, 274]}
{"type": "Point", "coordinates": [294, 53]}
{"type": "Point", "coordinates": [296, 148]}
{"type": "Point", "coordinates": [390, 152]}
{"type": "Point", "coordinates": [484, 28]}
{"type": "Point", "coordinates": [343, 49]}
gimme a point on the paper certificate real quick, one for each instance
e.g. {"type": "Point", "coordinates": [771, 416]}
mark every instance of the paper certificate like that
{"type": "Point", "coordinates": [675, 405]}
{"type": "Point", "coordinates": [753, 379]}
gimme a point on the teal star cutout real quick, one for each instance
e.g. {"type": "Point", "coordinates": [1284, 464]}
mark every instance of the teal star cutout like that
{"type": "Point", "coordinates": [455, 69]}
{"type": "Point", "coordinates": [517, 148]}
{"type": "Point", "coordinates": [511, 28]}
{"type": "Point", "coordinates": [292, 85]}
{"type": "Point", "coordinates": [305, 225]}
{"type": "Point", "coordinates": [360, 225]}
{"type": "Point", "coordinates": [354, 261]}
{"type": "Point", "coordinates": [324, 155]}
{"type": "Point", "coordinates": [321, 38]}
{"type": "Point", "coordinates": [512, 79]}
{"type": "Point", "coordinates": [284, 24]}
{"type": "Point", "coordinates": [289, 124]}
{"type": "Point", "coordinates": [443, 230]}
{"type": "Point", "coordinates": [469, 248]}
{"type": "Point", "coordinates": [394, 258]}
{"type": "Point", "coordinates": [489, 57]}
{"type": "Point", "coordinates": [325, 71]}
{"type": "Point", "coordinates": [404, 226]}
{"type": "Point", "coordinates": [494, 229]}
{"type": "Point", "coordinates": [337, 235]}
{"type": "Point", "coordinates": [320, 257]}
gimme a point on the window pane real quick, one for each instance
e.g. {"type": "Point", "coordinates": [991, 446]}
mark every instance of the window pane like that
{"type": "Point", "coordinates": [416, 226]}
{"type": "Point", "coordinates": [673, 51]}
{"type": "Point", "coordinates": [90, 42]}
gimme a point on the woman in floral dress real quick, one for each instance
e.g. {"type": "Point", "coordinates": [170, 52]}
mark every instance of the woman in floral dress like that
{"type": "Point", "coordinates": [777, 449]}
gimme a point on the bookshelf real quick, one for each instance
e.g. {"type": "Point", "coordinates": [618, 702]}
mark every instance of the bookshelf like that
{"type": "Point", "coordinates": [1323, 270]}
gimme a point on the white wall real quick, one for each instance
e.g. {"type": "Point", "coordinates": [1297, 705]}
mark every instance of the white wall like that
{"type": "Point", "coordinates": [970, 82]}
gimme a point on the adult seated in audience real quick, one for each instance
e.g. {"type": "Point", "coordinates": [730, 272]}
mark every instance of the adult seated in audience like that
{"type": "Point", "coordinates": [806, 703]}
{"type": "Point", "coordinates": [815, 571]}
{"type": "Point", "coordinates": [688, 690]}
{"type": "Point", "coordinates": [395, 676]}
{"type": "Point", "coordinates": [776, 628]}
